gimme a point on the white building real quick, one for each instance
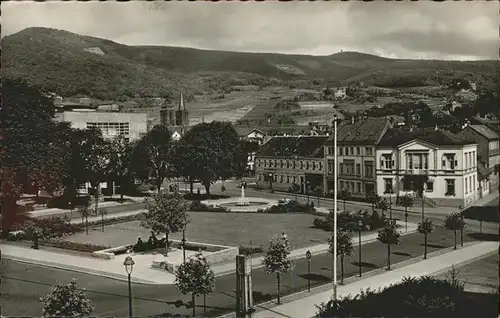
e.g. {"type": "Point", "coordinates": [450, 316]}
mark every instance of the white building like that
{"type": "Point", "coordinates": [112, 124]}
{"type": "Point", "coordinates": [448, 161]}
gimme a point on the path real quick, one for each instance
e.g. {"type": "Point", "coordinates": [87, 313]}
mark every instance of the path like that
{"type": "Point", "coordinates": [304, 307]}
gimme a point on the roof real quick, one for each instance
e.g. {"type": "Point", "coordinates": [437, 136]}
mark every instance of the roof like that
{"type": "Point", "coordinates": [397, 136]}
{"type": "Point", "coordinates": [364, 131]}
{"type": "Point", "coordinates": [305, 146]}
{"type": "Point", "coordinates": [244, 131]}
{"type": "Point", "coordinates": [485, 131]}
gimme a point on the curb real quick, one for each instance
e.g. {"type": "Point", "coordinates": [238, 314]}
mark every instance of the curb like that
{"type": "Point", "coordinates": [269, 305]}
{"type": "Point", "coordinates": [80, 270]}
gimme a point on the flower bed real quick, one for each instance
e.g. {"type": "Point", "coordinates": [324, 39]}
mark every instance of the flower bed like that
{"type": "Point", "coordinates": [289, 207]}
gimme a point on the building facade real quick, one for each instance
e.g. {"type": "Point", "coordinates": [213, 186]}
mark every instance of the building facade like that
{"type": "Point", "coordinates": [131, 126]}
{"type": "Point", "coordinates": [283, 163]}
{"type": "Point", "coordinates": [356, 142]}
{"type": "Point", "coordinates": [445, 161]}
{"type": "Point", "coordinates": [488, 153]}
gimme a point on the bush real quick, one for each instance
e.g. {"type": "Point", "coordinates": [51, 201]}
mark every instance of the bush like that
{"type": "Point", "coordinates": [75, 246]}
{"type": "Point", "coordinates": [349, 221]}
{"type": "Point", "coordinates": [197, 206]}
{"type": "Point", "coordinates": [290, 207]}
{"type": "Point", "coordinates": [16, 235]}
{"type": "Point", "coordinates": [52, 227]}
{"type": "Point", "coordinates": [250, 249]}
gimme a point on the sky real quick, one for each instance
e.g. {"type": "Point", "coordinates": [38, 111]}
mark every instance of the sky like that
{"type": "Point", "coordinates": [451, 30]}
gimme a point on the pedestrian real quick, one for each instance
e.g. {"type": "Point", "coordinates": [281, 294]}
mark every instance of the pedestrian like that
{"type": "Point", "coordinates": [35, 240]}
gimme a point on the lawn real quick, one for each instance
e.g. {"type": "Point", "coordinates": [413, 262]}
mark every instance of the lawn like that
{"type": "Point", "coordinates": [219, 228]}
{"type": "Point", "coordinates": [480, 276]}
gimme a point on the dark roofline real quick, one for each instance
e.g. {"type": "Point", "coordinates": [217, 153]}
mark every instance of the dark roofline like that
{"type": "Point", "coordinates": [493, 131]}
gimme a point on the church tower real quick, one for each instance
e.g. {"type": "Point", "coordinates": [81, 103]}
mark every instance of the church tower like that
{"type": "Point", "coordinates": [170, 117]}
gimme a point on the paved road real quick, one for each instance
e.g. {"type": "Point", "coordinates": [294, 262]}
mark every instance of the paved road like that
{"type": "Point", "coordinates": [23, 284]}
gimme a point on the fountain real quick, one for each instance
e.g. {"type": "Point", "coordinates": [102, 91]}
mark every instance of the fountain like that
{"type": "Point", "coordinates": [243, 201]}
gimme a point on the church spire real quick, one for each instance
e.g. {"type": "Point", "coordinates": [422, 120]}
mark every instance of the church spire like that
{"type": "Point", "coordinates": [182, 106]}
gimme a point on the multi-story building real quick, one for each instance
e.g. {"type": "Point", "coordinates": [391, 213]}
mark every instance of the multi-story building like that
{"type": "Point", "coordinates": [447, 162]}
{"type": "Point", "coordinates": [131, 126]}
{"type": "Point", "coordinates": [356, 142]}
{"type": "Point", "coordinates": [283, 162]}
{"type": "Point", "coordinates": [488, 154]}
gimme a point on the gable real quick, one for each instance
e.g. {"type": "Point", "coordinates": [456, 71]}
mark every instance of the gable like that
{"type": "Point", "coordinates": [416, 144]}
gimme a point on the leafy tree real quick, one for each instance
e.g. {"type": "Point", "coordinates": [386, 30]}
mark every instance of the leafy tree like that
{"type": "Point", "coordinates": [276, 261]}
{"type": "Point", "coordinates": [383, 205]}
{"type": "Point", "coordinates": [120, 163]}
{"type": "Point", "coordinates": [417, 183]}
{"type": "Point", "coordinates": [208, 152]}
{"type": "Point", "coordinates": [195, 277]}
{"type": "Point", "coordinates": [166, 213]}
{"type": "Point", "coordinates": [406, 201]}
{"type": "Point", "coordinates": [425, 227]}
{"type": "Point", "coordinates": [413, 297]}
{"type": "Point", "coordinates": [31, 156]}
{"type": "Point", "coordinates": [96, 160]}
{"type": "Point", "coordinates": [344, 248]}
{"type": "Point", "coordinates": [454, 222]}
{"type": "Point", "coordinates": [374, 199]}
{"type": "Point", "coordinates": [344, 195]}
{"type": "Point", "coordinates": [65, 300]}
{"type": "Point", "coordinates": [389, 235]}
{"type": "Point", "coordinates": [158, 147]}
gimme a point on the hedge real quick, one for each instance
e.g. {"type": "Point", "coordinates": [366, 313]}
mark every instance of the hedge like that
{"type": "Point", "coordinates": [197, 206]}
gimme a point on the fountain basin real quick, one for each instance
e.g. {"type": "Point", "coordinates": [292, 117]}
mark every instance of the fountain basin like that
{"type": "Point", "coordinates": [238, 205]}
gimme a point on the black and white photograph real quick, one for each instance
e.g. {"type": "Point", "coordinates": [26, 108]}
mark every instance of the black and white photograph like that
{"type": "Point", "coordinates": [240, 159]}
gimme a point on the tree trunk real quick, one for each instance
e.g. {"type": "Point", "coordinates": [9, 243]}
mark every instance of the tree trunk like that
{"type": "Point", "coordinates": [406, 219]}
{"type": "Point", "coordinates": [425, 246]}
{"type": "Point", "coordinates": [455, 238]}
{"type": "Point", "coordinates": [388, 257]}
{"type": "Point", "coordinates": [194, 304]}
{"type": "Point", "coordinates": [462, 237]}
{"type": "Point", "coordinates": [121, 194]}
{"type": "Point", "coordinates": [166, 243]}
{"type": "Point", "coordinates": [96, 196]}
{"type": "Point", "coordinates": [207, 188]}
{"type": "Point", "coordinates": [102, 222]}
{"type": "Point", "coordinates": [87, 223]}
{"type": "Point", "coordinates": [191, 186]}
{"type": "Point", "coordinates": [278, 289]}
{"type": "Point", "coordinates": [204, 303]}
{"type": "Point", "coordinates": [342, 269]}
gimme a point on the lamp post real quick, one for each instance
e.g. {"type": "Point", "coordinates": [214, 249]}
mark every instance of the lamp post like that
{"type": "Point", "coordinates": [360, 225]}
{"type": "Point", "coordinates": [129, 267]}
{"type": "Point", "coordinates": [335, 207]}
{"type": "Point", "coordinates": [184, 244]}
{"type": "Point", "coordinates": [307, 191]}
{"type": "Point", "coordinates": [308, 256]}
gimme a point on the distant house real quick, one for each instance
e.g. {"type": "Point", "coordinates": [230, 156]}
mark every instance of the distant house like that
{"type": "Point", "coordinates": [250, 134]}
{"type": "Point", "coordinates": [286, 161]}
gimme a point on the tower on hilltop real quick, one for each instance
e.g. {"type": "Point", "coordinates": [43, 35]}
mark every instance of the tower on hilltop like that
{"type": "Point", "coordinates": [171, 117]}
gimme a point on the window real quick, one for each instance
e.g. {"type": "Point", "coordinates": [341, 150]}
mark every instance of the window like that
{"type": "Point", "coordinates": [429, 187]}
{"type": "Point", "coordinates": [368, 151]}
{"type": "Point", "coordinates": [111, 129]}
{"type": "Point", "coordinates": [386, 162]}
{"type": "Point", "coordinates": [369, 169]}
{"type": "Point", "coordinates": [294, 179]}
{"type": "Point", "coordinates": [281, 163]}
{"type": "Point", "coordinates": [340, 151]}
{"type": "Point", "coordinates": [466, 185]}
{"type": "Point", "coordinates": [265, 163]}
{"type": "Point", "coordinates": [387, 184]}
{"type": "Point", "coordinates": [302, 165]}
{"type": "Point", "coordinates": [341, 168]}
{"type": "Point", "coordinates": [407, 184]}
{"type": "Point", "coordinates": [358, 169]}
{"type": "Point", "coordinates": [314, 165]}
{"type": "Point", "coordinates": [474, 183]}
{"type": "Point", "coordinates": [307, 165]}
{"type": "Point", "coordinates": [294, 164]}
{"type": "Point", "coordinates": [320, 164]}
{"type": "Point", "coordinates": [351, 151]}
{"type": "Point", "coordinates": [281, 178]}
{"type": "Point", "coordinates": [330, 166]}
{"type": "Point", "coordinates": [341, 184]}
{"type": "Point", "coordinates": [347, 151]}
{"type": "Point", "coordinates": [358, 151]}
{"type": "Point", "coordinates": [358, 187]}
{"type": "Point", "coordinates": [473, 159]}
{"type": "Point", "coordinates": [449, 162]}
{"type": "Point", "coordinates": [260, 177]}
{"type": "Point", "coordinates": [287, 179]}
{"type": "Point", "coordinates": [450, 187]}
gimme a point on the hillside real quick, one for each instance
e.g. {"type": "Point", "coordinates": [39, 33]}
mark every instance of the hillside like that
{"type": "Point", "coordinates": [74, 65]}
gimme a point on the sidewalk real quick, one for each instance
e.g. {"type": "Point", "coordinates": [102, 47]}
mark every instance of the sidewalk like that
{"type": "Point", "coordinates": [143, 272]}
{"type": "Point", "coordinates": [304, 307]}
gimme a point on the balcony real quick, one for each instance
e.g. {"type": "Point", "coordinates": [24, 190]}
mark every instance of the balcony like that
{"type": "Point", "coordinates": [418, 172]}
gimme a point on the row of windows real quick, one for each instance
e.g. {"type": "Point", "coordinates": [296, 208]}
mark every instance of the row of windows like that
{"type": "Point", "coordinates": [351, 186]}
{"type": "Point", "coordinates": [352, 168]}
{"type": "Point", "coordinates": [280, 178]}
{"type": "Point", "coordinates": [352, 151]}
{"type": "Point", "coordinates": [420, 161]}
{"type": "Point", "coordinates": [290, 164]}
{"type": "Point", "coordinates": [470, 185]}
{"type": "Point", "coordinates": [470, 159]}
{"type": "Point", "coordinates": [111, 129]}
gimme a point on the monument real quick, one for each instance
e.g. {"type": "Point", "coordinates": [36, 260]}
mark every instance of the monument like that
{"type": "Point", "coordinates": [244, 297]}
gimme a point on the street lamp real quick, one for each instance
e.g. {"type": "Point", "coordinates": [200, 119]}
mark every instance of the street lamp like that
{"type": "Point", "coordinates": [129, 267]}
{"type": "Point", "coordinates": [184, 243]}
{"type": "Point", "coordinates": [360, 225]}
{"type": "Point", "coordinates": [308, 256]}
{"type": "Point", "coordinates": [335, 207]}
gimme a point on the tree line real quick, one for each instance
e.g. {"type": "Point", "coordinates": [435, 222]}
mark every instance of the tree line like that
{"type": "Point", "coordinates": [39, 153]}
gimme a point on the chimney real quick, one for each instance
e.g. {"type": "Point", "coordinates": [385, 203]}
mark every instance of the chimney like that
{"type": "Point", "coordinates": [436, 127]}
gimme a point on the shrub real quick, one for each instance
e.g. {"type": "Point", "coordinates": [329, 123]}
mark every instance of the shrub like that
{"type": "Point", "coordinates": [197, 206]}
{"type": "Point", "coordinates": [290, 207]}
{"type": "Point", "coordinates": [250, 249]}
{"type": "Point", "coordinates": [16, 235]}
{"type": "Point", "coordinates": [322, 224]}
{"type": "Point", "coordinates": [75, 246]}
